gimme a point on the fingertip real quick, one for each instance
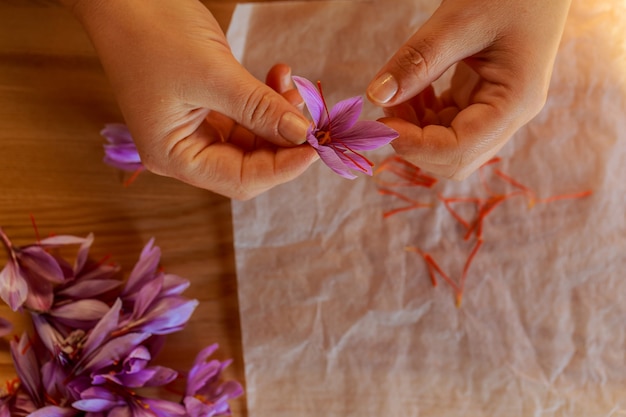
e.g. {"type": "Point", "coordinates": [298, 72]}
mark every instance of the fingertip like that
{"type": "Point", "coordinates": [293, 128]}
{"type": "Point", "coordinates": [383, 89]}
{"type": "Point", "coordinates": [294, 98]}
{"type": "Point", "coordinates": [279, 78]}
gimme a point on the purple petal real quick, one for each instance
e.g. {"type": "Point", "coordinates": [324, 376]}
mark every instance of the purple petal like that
{"type": "Point", "coordinates": [100, 272]}
{"type": "Point", "coordinates": [126, 153]}
{"type": "Point", "coordinates": [155, 376]}
{"type": "Point", "coordinates": [163, 408]}
{"type": "Point", "coordinates": [54, 411]}
{"type": "Point", "coordinates": [344, 115]}
{"type": "Point", "coordinates": [204, 354]}
{"type": "Point", "coordinates": [312, 99]}
{"type": "Point", "coordinates": [334, 162]}
{"type": "Point", "coordinates": [137, 359]}
{"type": "Point", "coordinates": [144, 269]}
{"type": "Point", "coordinates": [49, 336]}
{"type": "Point", "coordinates": [196, 408]}
{"type": "Point", "coordinates": [173, 285]}
{"type": "Point", "coordinates": [149, 292]}
{"type": "Point", "coordinates": [356, 162]}
{"type": "Point", "coordinates": [162, 376]}
{"type": "Point", "coordinates": [107, 324]}
{"type": "Point", "coordinates": [54, 378]}
{"type": "Point", "coordinates": [81, 310]}
{"type": "Point", "coordinates": [367, 135]}
{"type": "Point", "coordinates": [40, 263]}
{"type": "Point", "coordinates": [94, 405]}
{"type": "Point", "coordinates": [83, 253]}
{"type": "Point", "coordinates": [231, 389]}
{"type": "Point", "coordinates": [13, 286]}
{"type": "Point", "coordinates": [114, 350]}
{"type": "Point", "coordinates": [40, 294]}
{"type": "Point", "coordinates": [124, 166]}
{"type": "Point", "coordinates": [62, 240]}
{"type": "Point", "coordinates": [89, 288]}
{"type": "Point", "coordinates": [27, 367]}
{"type": "Point", "coordinates": [168, 315]}
{"type": "Point", "coordinates": [116, 133]}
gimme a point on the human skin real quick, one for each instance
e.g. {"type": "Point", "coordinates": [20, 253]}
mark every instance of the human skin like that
{"type": "Point", "coordinates": [194, 112]}
{"type": "Point", "coordinates": [504, 51]}
{"type": "Point", "coordinates": [198, 116]}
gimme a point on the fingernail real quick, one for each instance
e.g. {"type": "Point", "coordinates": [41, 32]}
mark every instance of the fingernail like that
{"type": "Point", "coordinates": [293, 128]}
{"type": "Point", "coordinates": [383, 88]}
{"type": "Point", "coordinates": [285, 82]}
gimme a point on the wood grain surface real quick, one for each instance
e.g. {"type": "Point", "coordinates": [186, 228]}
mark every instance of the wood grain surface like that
{"type": "Point", "coordinates": [54, 99]}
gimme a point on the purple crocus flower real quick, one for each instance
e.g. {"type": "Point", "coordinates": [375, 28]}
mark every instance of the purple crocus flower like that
{"type": "Point", "coordinates": [121, 151]}
{"type": "Point", "coordinates": [27, 367]}
{"type": "Point", "coordinates": [30, 273]}
{"type": "Point", "coordinates": [153, 298]}
{"type": "Point", "coordinates": [134, 372]}
{"type": "Point", "coordinates": [117, 402]}
{"type": "Point", "coordinates": [336, 135]}
{"type": "Point", "coordinates": [206, 395]}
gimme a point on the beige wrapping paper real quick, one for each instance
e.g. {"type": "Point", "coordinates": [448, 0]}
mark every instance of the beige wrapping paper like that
{"type": "Point", "coordinates": [339, 320]}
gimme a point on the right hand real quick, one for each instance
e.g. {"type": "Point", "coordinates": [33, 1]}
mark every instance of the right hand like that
{"type": "Point", "coordinates": [194, 112]}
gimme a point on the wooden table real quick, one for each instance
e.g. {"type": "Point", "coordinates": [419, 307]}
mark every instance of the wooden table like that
{"type": "Point", "coordinates": [54, 99]}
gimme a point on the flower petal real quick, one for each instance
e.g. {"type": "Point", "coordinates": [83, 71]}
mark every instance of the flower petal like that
{"type": "Point", "coordinates": [107, 324]}
{"type": "Point", "coordinates": [144, 269]}
{"type": "Point", "coordinates": [49, 336]}
{"type": "Point", "coordinates": [312, 99]}
{"type": "Point", "coordinates": [344, 115]}
{"type": "Point", "coordinates": [13, 286]}
{"type": "Point", "coordinates": [116, 133]}
{"type": "Point", "coordinates": [83, 253]}
{"type": "Point", "coordinates": [40, 263]}
{"type": "Point", "coordinates": [168, 315]}
{"type": "Point", "coordinates": [27, 367]}
{"type": "Point", "coordinates": [334, 162]}
{"type": "Point", "coordinates": [367, 135]}
{"type": "Point", "coordinates": [114, 350]}
{"type": "Point", "coordinates": [81, 310]}
{"type": "Point", "coordinates": [149, 292]}
{"type": "Point", "coordinates": [62, 240]}
{"type": "Point", "coordinates": [40, 294]}
{"type": "Point", "coordinates": [89, 288]}
{"type": "Point", "coordinates": [164, 408]}
{"type": "Point", "coordinates": [173, 285]}
{"type": "Point", "coordinates": [356, 162]}
{"type": "Point", "coordinates": [54, 411]}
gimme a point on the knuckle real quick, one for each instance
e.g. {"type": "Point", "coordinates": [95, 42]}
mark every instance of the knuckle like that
{"type": "Point", "coordinates": [415, 56]}
{"type": "Point", "coordinates": [257, 106]}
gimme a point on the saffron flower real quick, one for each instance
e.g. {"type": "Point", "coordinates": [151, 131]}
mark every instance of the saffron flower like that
{"type": "Point", "coordinates": [121, 151]}
{"type": "Point", "coordinates": [206, 395]}
{"type": "Point", "coordinates": [96, 338]}
{"type": "Point", "coordinates": [29, 275]}
{"type": "Point", "coordinates": [337, 134]}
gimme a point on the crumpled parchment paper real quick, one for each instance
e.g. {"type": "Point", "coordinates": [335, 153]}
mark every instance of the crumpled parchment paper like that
{"type": "Point", "coordinates": [340, 320]}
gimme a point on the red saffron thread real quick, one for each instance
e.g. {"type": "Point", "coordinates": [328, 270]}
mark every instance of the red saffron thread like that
{"type": "Point", "coordinates": [133, 177]}
{"type": "Point", "coordinates": [34, 223]}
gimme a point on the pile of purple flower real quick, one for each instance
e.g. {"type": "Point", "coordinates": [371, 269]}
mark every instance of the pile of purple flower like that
{"type": "Point", "coordinates": [95, 336]}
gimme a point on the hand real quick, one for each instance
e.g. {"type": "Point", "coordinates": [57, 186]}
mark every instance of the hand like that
{"type": "Point", "coordinates": [194, 112]}
{"type": "Point", "coordinates": [504, 51]}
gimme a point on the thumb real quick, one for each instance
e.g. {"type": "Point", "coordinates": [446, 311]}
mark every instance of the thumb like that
{"type": "Point", "coordinates": [257, 107]}
{"type": "Point", "coordinates": [446, 38]}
